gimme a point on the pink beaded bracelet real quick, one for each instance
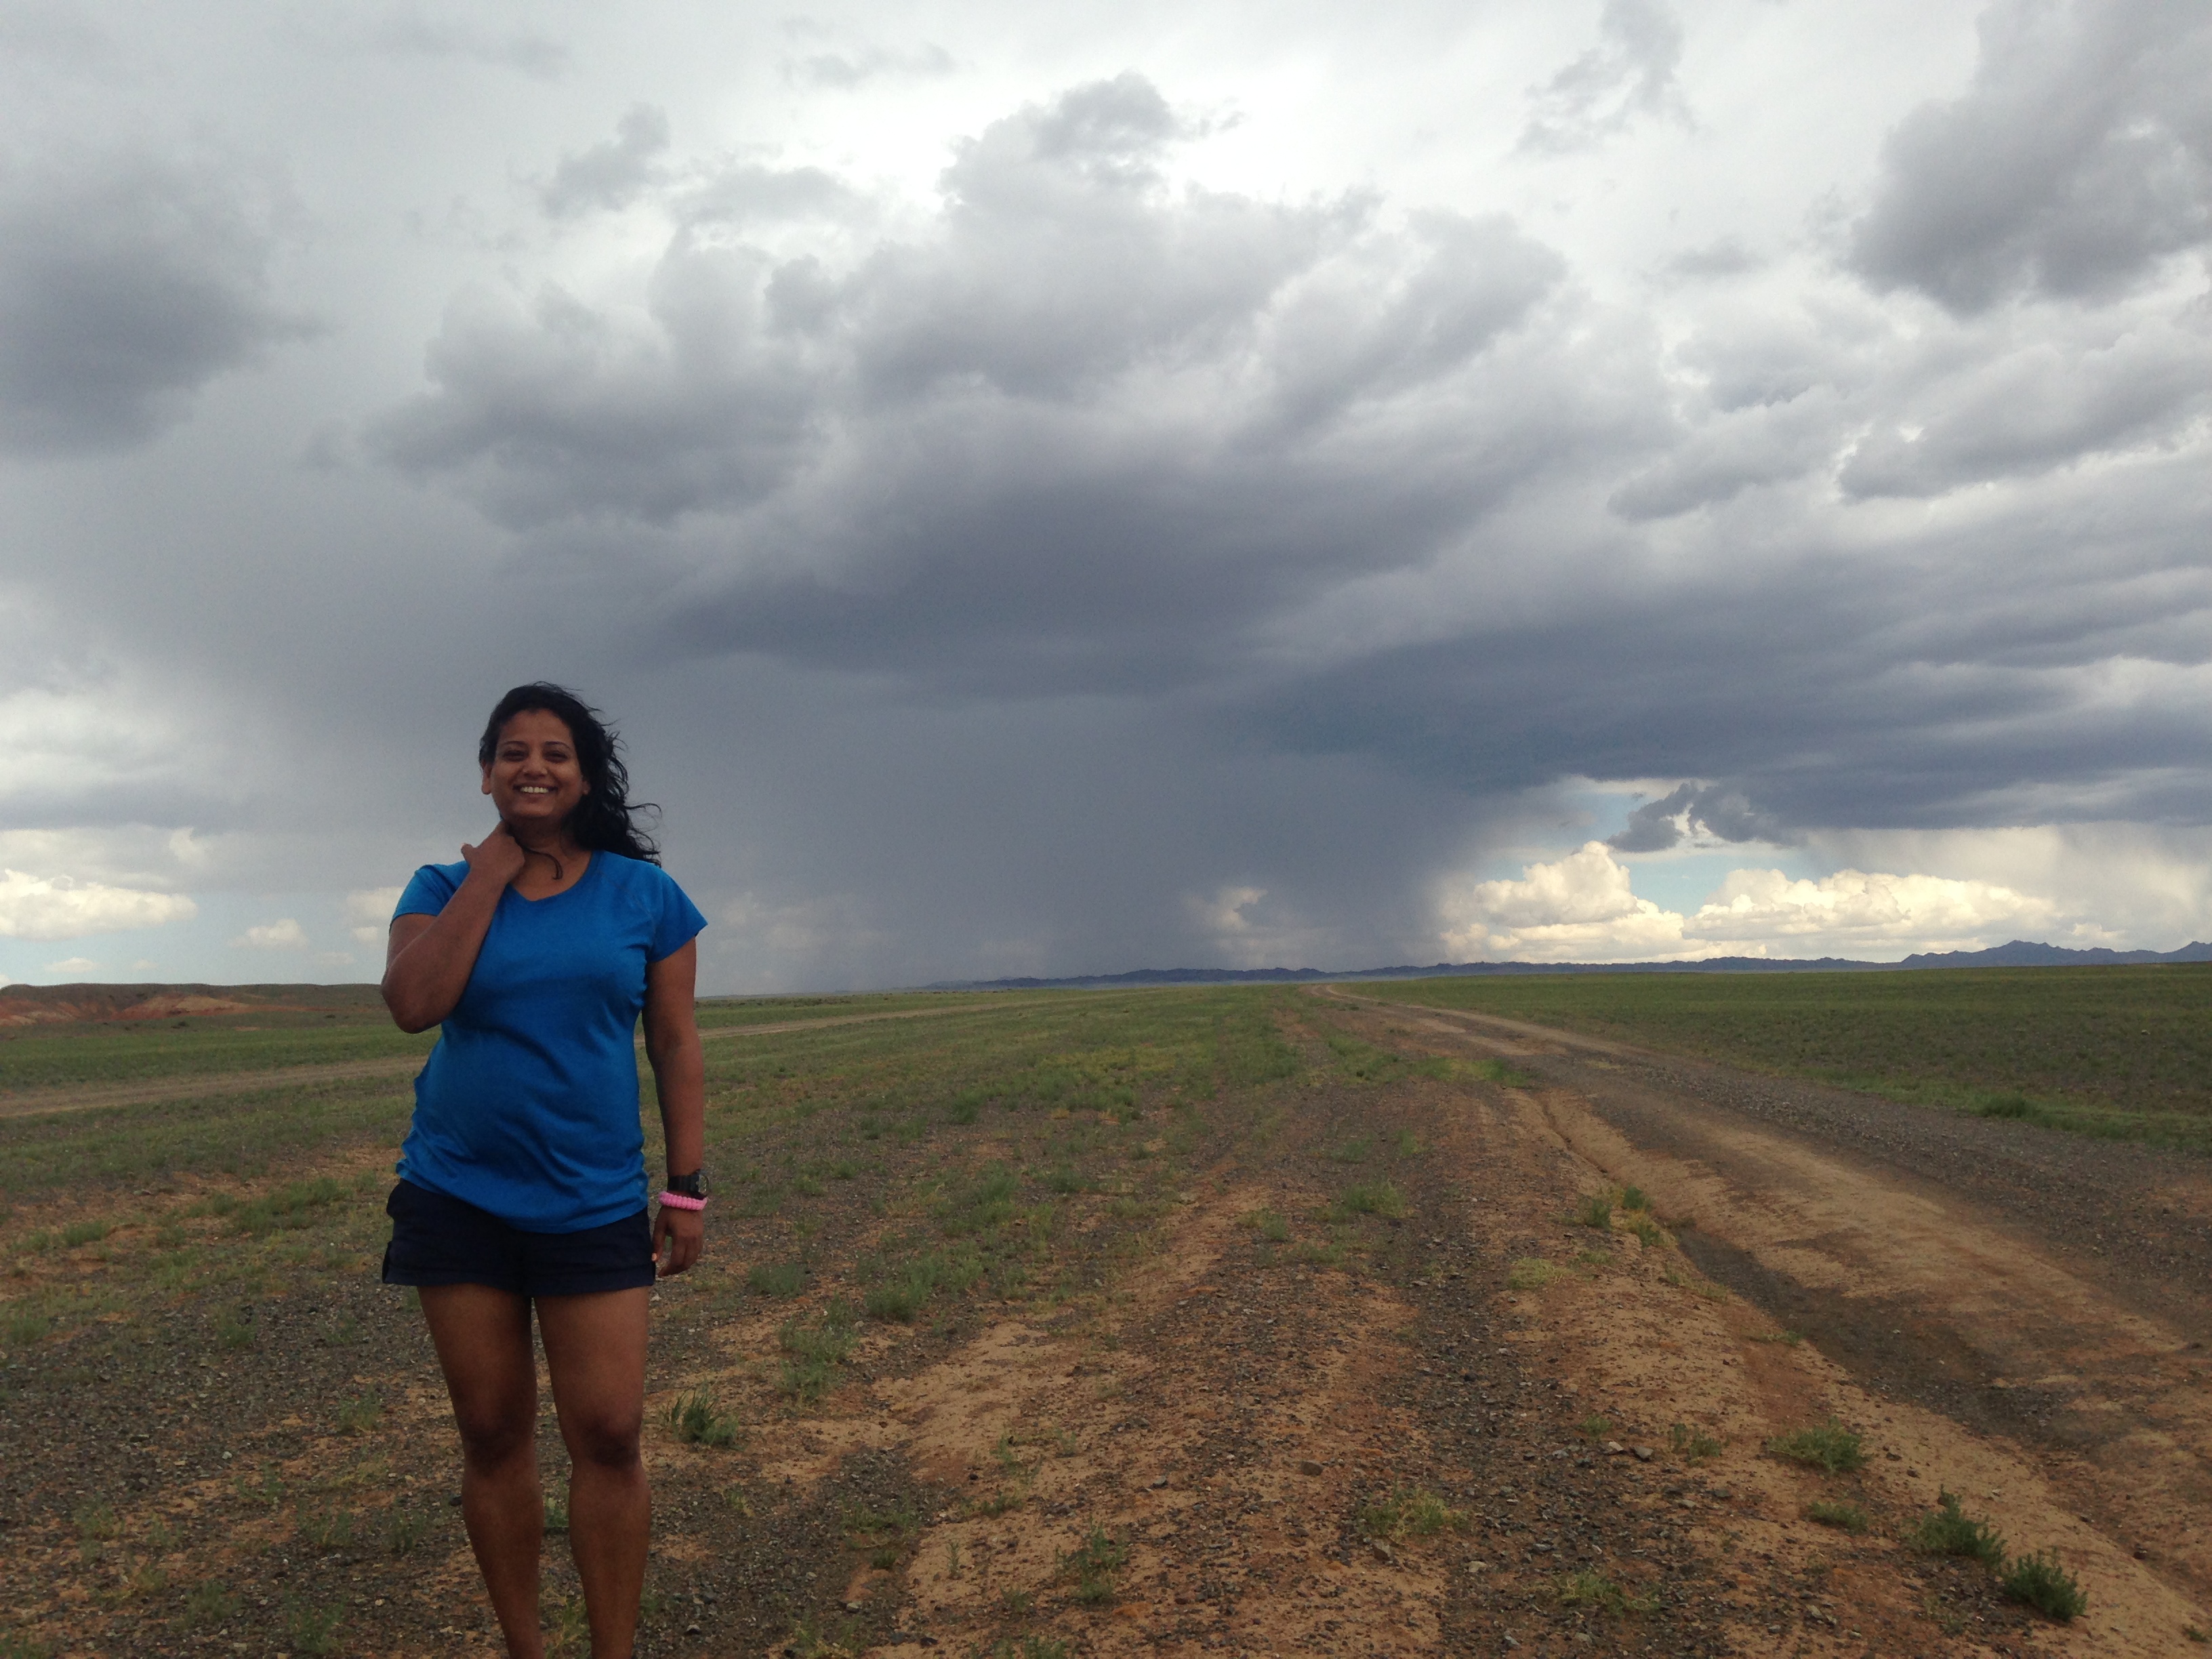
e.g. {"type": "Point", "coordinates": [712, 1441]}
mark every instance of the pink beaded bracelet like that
{"type": "Point", "coordinates": [677, 1202]}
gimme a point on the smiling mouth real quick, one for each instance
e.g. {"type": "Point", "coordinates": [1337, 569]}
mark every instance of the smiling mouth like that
{"type": "Point", "coordinates": [532, 789]}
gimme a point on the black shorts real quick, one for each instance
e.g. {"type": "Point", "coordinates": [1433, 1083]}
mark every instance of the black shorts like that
{"type": "Point", "coordinates": [437, 1240]}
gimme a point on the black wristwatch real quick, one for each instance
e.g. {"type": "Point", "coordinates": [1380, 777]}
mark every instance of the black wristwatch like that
{"type": "Point", "coordinates": [691, 1185]}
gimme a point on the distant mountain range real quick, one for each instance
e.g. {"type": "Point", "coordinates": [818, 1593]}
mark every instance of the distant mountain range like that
{"type": "Point", "coordinates": [2019, 953]}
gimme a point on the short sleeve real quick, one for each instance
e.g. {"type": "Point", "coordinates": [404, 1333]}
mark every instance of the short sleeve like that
{"type": "Point", "coordinates": [678, 923]}
{"type": "Point", "coordinates": [428, 894]}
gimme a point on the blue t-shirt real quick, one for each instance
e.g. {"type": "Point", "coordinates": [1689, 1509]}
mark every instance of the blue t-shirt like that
{"type": "Point", "coordinates": [528, 1106]}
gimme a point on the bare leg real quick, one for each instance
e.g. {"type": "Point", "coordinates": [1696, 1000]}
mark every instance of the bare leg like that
{"type": "Point", "coordinates": [595, 1348]}
{"type": "Point", "coordinates": [483, 1338]}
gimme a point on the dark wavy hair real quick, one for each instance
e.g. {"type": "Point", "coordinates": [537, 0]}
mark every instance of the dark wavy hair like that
{"type": "Point", "coordinates": [606, 820]}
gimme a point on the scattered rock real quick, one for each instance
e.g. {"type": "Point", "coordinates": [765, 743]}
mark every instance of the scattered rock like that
{"type": "Point", "coordinates": [1613, 1449]}
{"type": "Point", "coordinates": [1643, 1453]}
{"type": "Point", "coordinates": [1307, 1466]}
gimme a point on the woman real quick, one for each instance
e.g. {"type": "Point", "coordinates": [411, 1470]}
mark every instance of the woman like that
{"type": "Point", "coordinates": [522, 1179]}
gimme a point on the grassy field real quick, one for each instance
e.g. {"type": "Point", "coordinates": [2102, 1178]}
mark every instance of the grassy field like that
{"type": "Point", "coordinates": [188, 1271]}
{"type": "Point", "coordinates": [2123, 1052]}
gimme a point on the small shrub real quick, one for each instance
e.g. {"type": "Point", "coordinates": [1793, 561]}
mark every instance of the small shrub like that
{"type": "Point", "coordinates": [96, 1522]}
{"type": "Point", "coordinates": [2006, 1106]}
{"type": "Point", "coordinates": [1373, 1197]}
{"type": "Point", "coordinates": [1064, 1179]}
{"type": "Point", "coordinates": [211, 1603]}
{"type": "Point", "coordinates": [694, 1420]}
{"type": "Point", "coordinates": [1409, 1144]}
{"type": "Point", "coordinates": [1093, 1564]}
{"type": "Point", "coordinates": [1632, 1198]}
{"type": "Point", "coordinates": [314, 1630]}
{"type": "Point", "coordinates": [404, 1531]}
{"type": "Point", "coordinates": [1268, 1224]}
{"type": "Point", "coordinates": [1691, 1445]}
{"type": "Point", "coordinates": [2041, 1582]}
{"type": "Point", "coordinates": [1829, 1447]}
{"type": "Point", "coordinates": [232, 1332]}
{"type": "Point", "coordinates": [85, 1232]}
{"type": "Point", "coordinates": [1594, 1427]}
{"type": "Point", "coordinates": [1648, 1231]}
{"type": "Point", "coordinates": [1594, 1210]}
{"type": "Point", "coordinates": [359, 1414]}
{"type": "Point", "coordinates": [1530, 1272]}
{"type": "Point", "coordinates": [1952, 1531]}
{"type": "Point", "coordinates": [325, 1529]}
{"type": "Point", "coordinates": [844, 1169]}
{"type": "Point", "coordinates": [1849, 1517]}
{"type": "Point", "coordinates": [1354, 1150]}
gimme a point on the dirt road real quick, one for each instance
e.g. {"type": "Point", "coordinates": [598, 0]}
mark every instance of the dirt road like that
{"type": "Point", "coordinates": [2037, 1300]}
{"type": "Point", "coordinates": [82, 1097]}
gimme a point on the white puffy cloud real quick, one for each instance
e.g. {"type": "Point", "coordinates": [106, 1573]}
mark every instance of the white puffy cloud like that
{"type": "Point", "coordinates": [72, 965]}
{"type": "Point", "coordinates": [285, 934]}
{"type": "Point", "coordinates": [369, 913]}
{"type": "Point", "coordinates": [1582, 907]}
{"type": "Point", "coordinates": [33, 907]}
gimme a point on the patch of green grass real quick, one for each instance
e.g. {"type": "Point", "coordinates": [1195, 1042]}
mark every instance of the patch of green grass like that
{"type": "Point", "coordinates": [1065, 1179]}
{"type": "Point", "coordinates": [85, 1232]}
{"type": "Point", "coordinates": [1595, 1427]}
{"type": "Point", "coordinates": [1357, 1149]}
{"type": "Point", "coordinates": [326, 1528]}
{"type": "Point", "coordinates": [1590, 1589]}
{"type": "Point", "coordinates": [1828, 1447]}
{"type": "Point", "coordinates": [1410, 1512]}
{"type": "Point", "coordinates": [780, 1279]}
{"type": "Point", "coordinates": [233, 1331]}
{"type": "Point", "coordinates": [2122, 1052]}
{"type": "Point", "coordinates": [900, 1294]}
{"type": "Point", "coordinates": [1632, 1199]}
{"type": "Point", "coordinates": [290, 1207]}
{"type": "Point", "coordinates": [694, 1419]}
{"type": "Point", "coordinates": [2039, 1581]}
{"type": "Point", "coordinates": [1831, 1512]}
{"type": "Point", "coordinates": [1409, 1144]}
{"type": "Point", "coordinates": [1788, 1339]}
{"type": "Point", "coordinates": [1593, 1210]}
{"type": "Point", "coordinates": [359, 1414]}
{"type": "Point", "coordinates": [1649, 1233]}
{"type": "Point", "coordinates": [816, 1351]}
{"type": "Point", "coordinates": [556, 1512]}
{"type": "Point", "coordinates": [1267, 1224]}
{"type": "Point", "coordinates": [1691, 1445]}
{"type": "Point", "coordinates": [1377, 1198]}
{"type": "Point", "coordinates": [1531, 1272]}
{"type": "Point", "coordinates": [1951, 1531]}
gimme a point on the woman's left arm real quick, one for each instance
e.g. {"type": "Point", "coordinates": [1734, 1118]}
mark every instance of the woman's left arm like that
{"type": "Point", "coordinates": [679, 1076]}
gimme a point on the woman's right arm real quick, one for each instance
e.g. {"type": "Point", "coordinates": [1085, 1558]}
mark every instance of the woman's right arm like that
{"type": "Point", "coordinates": [427, 960]}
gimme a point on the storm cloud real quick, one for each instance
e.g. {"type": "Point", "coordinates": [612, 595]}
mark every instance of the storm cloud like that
{"type": "Point", "coordinates": [1126, 506]}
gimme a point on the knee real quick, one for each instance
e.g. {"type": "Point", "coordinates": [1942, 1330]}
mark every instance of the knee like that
{"type": "Point", "coordinates": [605, 1440]}
{"type": "Point", "coordinates": [490, 1440]}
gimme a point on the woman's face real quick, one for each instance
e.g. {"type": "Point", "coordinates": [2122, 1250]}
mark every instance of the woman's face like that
{"type": "Point", "coordinates": [533, 778]}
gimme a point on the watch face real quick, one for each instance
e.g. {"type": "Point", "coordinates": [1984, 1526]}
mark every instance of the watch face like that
{"type": "Point", "coordinates": [691, 1185]}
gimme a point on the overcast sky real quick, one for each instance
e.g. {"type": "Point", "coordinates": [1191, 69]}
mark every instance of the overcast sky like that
{"type": "Point", "coordinates": [1063, 489]}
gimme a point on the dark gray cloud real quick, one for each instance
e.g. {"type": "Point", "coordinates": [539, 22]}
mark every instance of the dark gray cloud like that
{"type": "Point", "coordinates": [1087, 423]}
{"type": "Point", "coordinates": [1628, 76]}
{"type": "Point", "coordinates": [1721, 812]}
{"type": "Point", "coordinates": [2080, 157]}
{"type": "Point", "coordinates": [127, 283]}
{"type": "Point", "coordinates": [610, 175]}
